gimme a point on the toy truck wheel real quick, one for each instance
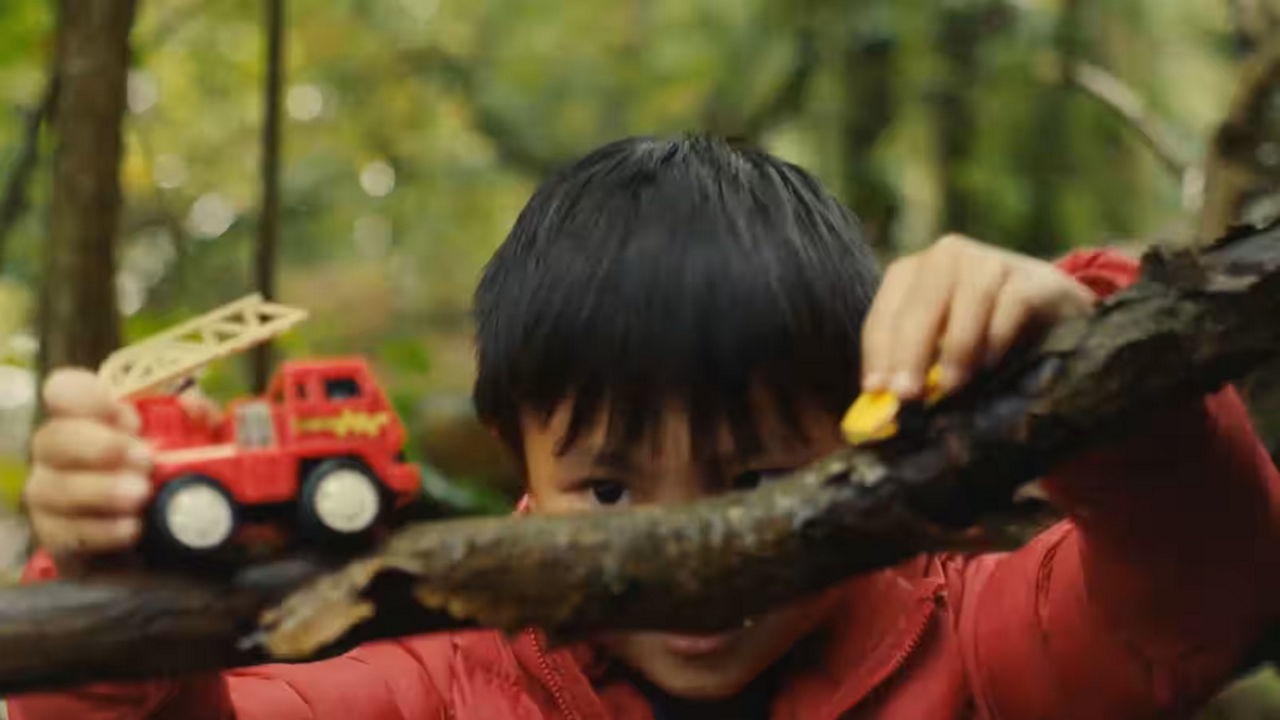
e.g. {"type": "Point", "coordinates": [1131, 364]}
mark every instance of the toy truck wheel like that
{"type": "Point", "coordinates": [194, 513]}
{"type": "Point", "coordinates": [340, 498]}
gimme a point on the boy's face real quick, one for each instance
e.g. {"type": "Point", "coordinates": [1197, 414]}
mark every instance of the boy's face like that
{"type": "Point", "coordinates": [664, 469]}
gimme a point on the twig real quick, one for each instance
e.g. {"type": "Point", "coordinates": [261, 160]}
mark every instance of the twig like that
{"type": "Point", "coordinates": [1122, 100]}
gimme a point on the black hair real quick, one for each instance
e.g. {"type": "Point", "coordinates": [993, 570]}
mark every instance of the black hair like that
{"type": "Point", "coordinates": [658, 270]}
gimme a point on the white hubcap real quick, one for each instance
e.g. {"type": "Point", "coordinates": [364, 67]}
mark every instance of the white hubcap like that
{"type": "Point", "coordinates": [346, 501]}
{"type": "Point", "coordinates": [199, 517]}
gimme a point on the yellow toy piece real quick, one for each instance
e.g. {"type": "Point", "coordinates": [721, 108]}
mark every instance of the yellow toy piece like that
{"type": "Point", "coordinates": [874, 415]}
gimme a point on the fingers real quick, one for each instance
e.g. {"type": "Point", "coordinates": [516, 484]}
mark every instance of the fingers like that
{"type": "Point", "coordinates": [900, 337]}
{"type": "Point", "coordinates": [1029, 300]}
{"type": "Point", "coordinates": [919, 327]}
{"type": "Point", "coordinates": [878, 330]}
{"type": "Point", "coordinates": [86, 493]}
{"type": "Point", "coordinates": [962, 304]}
{"type": "Point", "coordinates": [80, 536]}
{"type": "Point", "coordinates": [199, 407]}
{"type": "Point", "coordinates": [75, 392]}
{"type": "Point", "coordinates": [82, 444]}
{"type": "Point", "coordinates": [965, 338]}
{"type": "Point", "coordinates": [917, 332]}
{"type": "Point", "coordinates": [1013, 312]}
{"type": "Point", "coordinates": [89, 483]}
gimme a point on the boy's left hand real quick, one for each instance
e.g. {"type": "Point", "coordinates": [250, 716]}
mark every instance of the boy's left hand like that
{"type": "Point", "coordinates": [962, 304]}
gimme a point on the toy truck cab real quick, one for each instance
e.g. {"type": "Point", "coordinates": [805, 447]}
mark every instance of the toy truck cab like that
{"type": "Point", "coordinates": [324, 442]}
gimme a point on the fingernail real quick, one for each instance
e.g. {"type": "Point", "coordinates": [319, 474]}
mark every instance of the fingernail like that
{"type": "Point", "coordinates": [128, 529]}
{"type": "Point", "coordinates": [133, 488]}
{"type": "Point", "coordinates": [904, 384]}
{"type": "Point", "coordinates": [129, 419]}
{"type": "Point", "coordinates": [873, 381]}
{"type": "Point", "coordinates": [138, 455]}
{"type": "Point", "coordinates": [951, 377]}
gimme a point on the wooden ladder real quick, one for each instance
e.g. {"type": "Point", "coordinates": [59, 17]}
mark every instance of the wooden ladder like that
{"type": "Point", "coordinates": [174, 353]}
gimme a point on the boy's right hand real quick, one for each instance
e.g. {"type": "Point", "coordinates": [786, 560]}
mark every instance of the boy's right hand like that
{"type": "Point", "coordinates": [88, 485]}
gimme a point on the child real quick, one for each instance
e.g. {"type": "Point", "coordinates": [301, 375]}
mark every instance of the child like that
{"type": "Point", "coordinates": [671, 319]}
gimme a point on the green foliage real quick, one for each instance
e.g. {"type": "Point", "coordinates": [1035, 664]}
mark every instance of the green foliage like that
{"type": "Point", "coordinates": [416, 129]}
{"type": "Point", "coordinates": [408, 356]}
{"type": "Point", "coordinates": [13, 475]}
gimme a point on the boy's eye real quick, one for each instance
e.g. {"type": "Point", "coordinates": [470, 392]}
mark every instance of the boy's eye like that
{"type": "Point", "coordinates": [752, 479]}
{"type": "Point", "coordinates": [608, 492]}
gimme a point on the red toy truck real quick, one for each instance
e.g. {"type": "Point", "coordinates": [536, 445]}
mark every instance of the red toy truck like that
{"type": "Point", "coordinates": [324, 441]}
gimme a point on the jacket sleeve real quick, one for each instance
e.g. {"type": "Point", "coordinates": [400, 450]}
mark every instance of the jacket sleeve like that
{"type": "Point", "coordinates": [1148, 598]}
{"type": "Point", "coordinates": [379, 681]}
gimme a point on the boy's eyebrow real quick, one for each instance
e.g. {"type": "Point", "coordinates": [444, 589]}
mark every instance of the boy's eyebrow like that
{"type": "Point", "coordinates": [612, 458]}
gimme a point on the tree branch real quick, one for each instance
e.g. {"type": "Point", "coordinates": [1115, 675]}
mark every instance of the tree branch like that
{"type": "Point", "coordinates": [14, 201]}
{"type": "Point", "coordinates": [1115, 95]}
{"type": "Point", "coordinates": [1241, 162]}
{"type": "Point", "coordinates": [1195, 321]}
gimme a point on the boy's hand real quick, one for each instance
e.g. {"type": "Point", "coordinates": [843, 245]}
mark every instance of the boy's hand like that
{"type": "Point", "coordinates": [88, 483]}
{"type": "Point", "coordinates": [962, 305]}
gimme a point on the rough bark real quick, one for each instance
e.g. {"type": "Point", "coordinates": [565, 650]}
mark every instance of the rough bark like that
{"type": "Point", "coordinates": [945, 482]}
{"type": "Point", "coordinates": [269, 217]}
{"type": "Point", "coordinates": [79, 323]}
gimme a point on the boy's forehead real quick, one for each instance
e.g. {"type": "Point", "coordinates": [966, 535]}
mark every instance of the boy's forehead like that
{"type": "Point", "coordinates": [670, 433]}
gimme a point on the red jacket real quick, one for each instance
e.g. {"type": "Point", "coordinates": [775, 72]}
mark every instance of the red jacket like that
{"type": "Point", "coordinates": [1139, 606]}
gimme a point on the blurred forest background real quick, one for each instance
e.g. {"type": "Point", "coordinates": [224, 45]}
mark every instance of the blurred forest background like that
{"type": "Point", "coordinates": [362, 158]}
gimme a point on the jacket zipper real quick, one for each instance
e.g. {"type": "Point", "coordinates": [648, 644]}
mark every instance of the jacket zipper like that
{"type": "Point", "coordinates": [900, 659]}
{"type": "Point", "coordinates": [916, 638]}
{"type": "Point", "coordinates": [551, 681]}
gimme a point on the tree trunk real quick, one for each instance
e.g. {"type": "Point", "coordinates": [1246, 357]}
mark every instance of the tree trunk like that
{"type": "Point", "coordinates": [79, 323]}
{"type": "Point", "coordinates": [1050, 141]}
{"type": "Point", "coordinates": [269, 220]}
{"type": "Point", "coordinates": [959, 36]}
{"type": "Point", "coordinates": [869, 109]}
{"type": "Point", "coordinates": [945, 482]}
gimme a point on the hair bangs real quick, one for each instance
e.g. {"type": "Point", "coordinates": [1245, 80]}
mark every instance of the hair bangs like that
{"type": "Point", "coordinates": [658, 272]}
